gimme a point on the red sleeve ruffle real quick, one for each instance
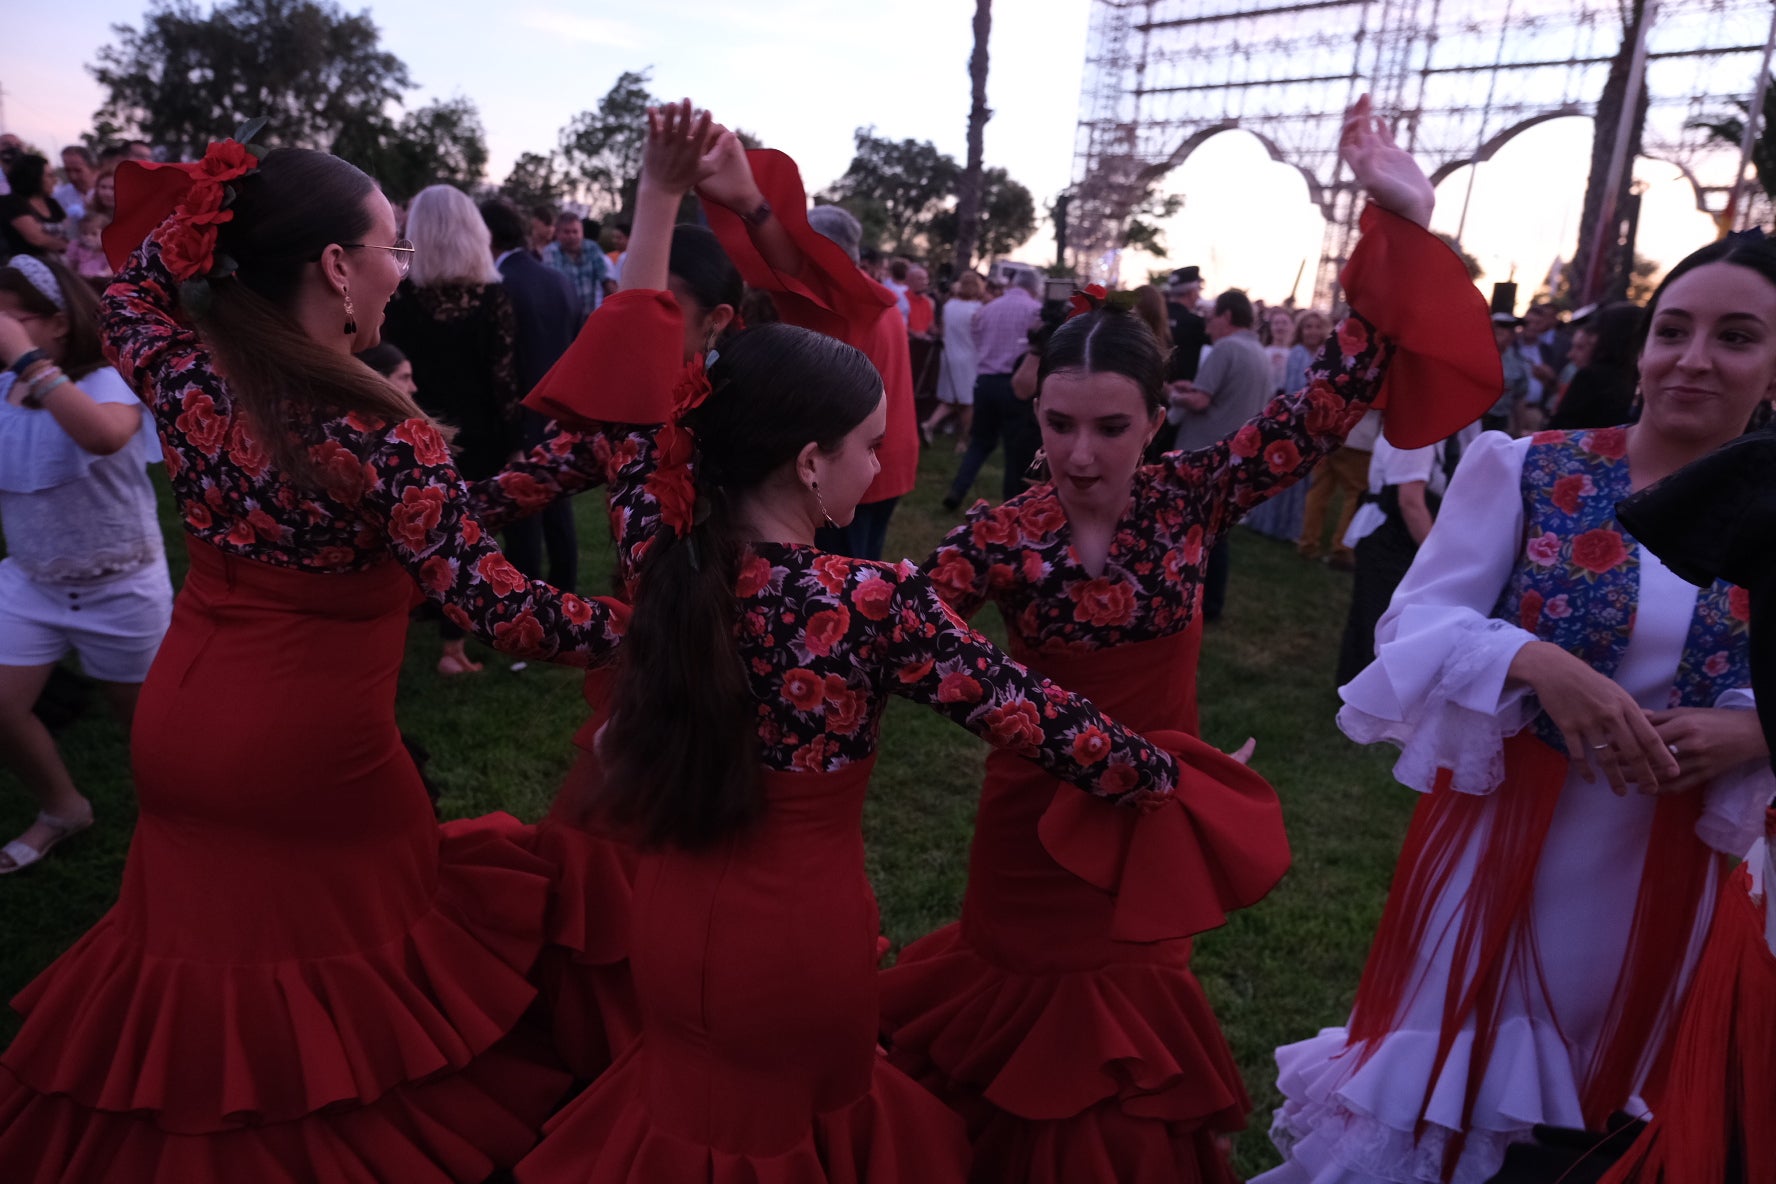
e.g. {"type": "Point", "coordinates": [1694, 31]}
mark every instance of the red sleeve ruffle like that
{"type": "Point", "coordinates": [1415, 291]}
{"type": "Point", "coordinates": [622, 368]}
{"type": "Point", "coordinates": [830, 295]}
{"type": "Point", "coordinates": [1178, 863]}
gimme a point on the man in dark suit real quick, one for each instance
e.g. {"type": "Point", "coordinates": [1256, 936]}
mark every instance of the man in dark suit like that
{"type": "Point", "coordinates": [1190, 336]}
{"type": "Point", "coordinates": [1190, 332]}
{"type": "Point", "coordinates": [547, 309]}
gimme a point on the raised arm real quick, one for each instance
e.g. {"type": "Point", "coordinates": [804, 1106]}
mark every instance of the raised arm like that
{"type": "Point", "coordinates": [414, 496]}
{"type": "Point", "coordinates": [622, 375]}
{"type": "Point", "coordinates": [143, 338]}
{"type": "Point", "coordinates": [934, 657]}
{"type": "Point", "coordinates": [1418, 327]}
{"type": "Point", "coordinates": [758, 208]}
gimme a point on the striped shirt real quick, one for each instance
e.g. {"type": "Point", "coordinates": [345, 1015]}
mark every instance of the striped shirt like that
{"type": "Point", "coordinates": [1002, 330]}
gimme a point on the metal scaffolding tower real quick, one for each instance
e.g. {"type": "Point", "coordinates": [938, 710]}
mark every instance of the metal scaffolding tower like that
{"type": "Point", "coordinates": [1459, 77]}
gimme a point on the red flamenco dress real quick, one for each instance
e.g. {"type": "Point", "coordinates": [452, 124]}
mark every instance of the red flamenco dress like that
{"type": "Point", "coordinates": [756, 1058]}
{"type": "Point", "coordinates": [304, 978]}
{"type": "Point", "coordinates": [1060, 1015]}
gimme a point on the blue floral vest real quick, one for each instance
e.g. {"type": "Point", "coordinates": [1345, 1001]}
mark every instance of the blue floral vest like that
{"type": "Point", "coordinates": [1578, 580]}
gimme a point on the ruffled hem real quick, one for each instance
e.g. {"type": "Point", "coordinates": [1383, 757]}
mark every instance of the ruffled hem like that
{"type": "Point", "coordinates": [1183, 861]}
{"type": "Point", "coordinates": [456, 1129]}
{"type": "Point", "coordinates": [895, 1134]}
{"type": "Point", "coordinates": [1340, 1117]}
{"type": "Point", "coordinates": [583, 974]}
{"type": "Point", "coordinates": [1104, 1145]}
{"type": "Point", "coordinates": [1052, 1046]}
{"type": "Point", "coordinates": [206, 1047]}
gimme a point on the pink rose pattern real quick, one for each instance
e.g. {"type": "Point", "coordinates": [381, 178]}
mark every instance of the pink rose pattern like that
{"type": "Point", "coordinates": [1579, 579]}
{"type": "Point", "coordinates": [1019, 555]}
{"type": "Point", "coordinates": [826, 641]}
{"type": "Point", "coordinates": [391, 490]}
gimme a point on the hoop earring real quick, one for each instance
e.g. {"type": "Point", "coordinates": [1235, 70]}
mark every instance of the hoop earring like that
{"type": "Point", "coordinates": [825, 518]}
{"type": "Point", "coordinates": [1038, 470]}
{"type": "Point", "coordinates": [351, 321]}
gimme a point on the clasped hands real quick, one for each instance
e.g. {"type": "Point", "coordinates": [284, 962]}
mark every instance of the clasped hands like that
{"type": "Point", "coordinates": [1605, 730]}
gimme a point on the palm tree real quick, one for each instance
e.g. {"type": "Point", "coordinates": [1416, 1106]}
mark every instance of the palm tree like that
{"type": "Point", "coordinates": [968, 192]}
{"type": "Point", "coordinates": [1730, 130]}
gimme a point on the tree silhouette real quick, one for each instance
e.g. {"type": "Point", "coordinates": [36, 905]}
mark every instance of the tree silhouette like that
{"type": "Point", "coordinates": [187, 77]}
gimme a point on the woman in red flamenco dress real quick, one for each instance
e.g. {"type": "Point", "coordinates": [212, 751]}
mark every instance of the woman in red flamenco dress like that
{"type": "Point", "coordinates": [743, 728]}
{"type": "Point", "coordinates": [1060, 1015]}
{"type": "Point", "coordinates": [304, 978]}
{"type": "Point", "coordinates": [583, 972]}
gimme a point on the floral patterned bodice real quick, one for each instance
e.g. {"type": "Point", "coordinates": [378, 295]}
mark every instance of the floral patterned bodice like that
{"type": "Point", "coordinates": [827, 639]}
{"type": "Point", "coordinates": [1578, 581]}
{"type": "Point", "coordinates": [391, 490]}
{"type": "Point", "coordinates": [1019, 554]}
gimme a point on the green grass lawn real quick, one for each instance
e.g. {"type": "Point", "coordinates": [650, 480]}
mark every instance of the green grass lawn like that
{"type": "Point", "coordinates": [500, 741]}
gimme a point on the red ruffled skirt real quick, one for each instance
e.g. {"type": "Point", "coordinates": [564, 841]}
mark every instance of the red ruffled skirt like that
{"type": "Point", "coordinates": [756, 1061]}
{"type": "Point", "coordinates": [583, 971]}
{"type": "Point", "coordinates": [1060, 1016]}
{"type": "Point", "coordinates": [304, 977]}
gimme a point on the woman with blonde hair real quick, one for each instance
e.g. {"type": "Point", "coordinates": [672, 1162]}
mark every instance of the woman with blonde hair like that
{"type": "Point", "coordinates": [961, 357]}
{"type": "Point", "coordinates": [454, 321]}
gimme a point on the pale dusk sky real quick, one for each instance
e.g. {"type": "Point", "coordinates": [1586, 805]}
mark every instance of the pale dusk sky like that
{"type": "Point", "coordinates": [804, 74]}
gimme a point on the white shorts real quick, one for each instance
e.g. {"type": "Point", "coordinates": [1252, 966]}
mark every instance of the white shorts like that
{"type": "Point", "coordinates": [115, 625]}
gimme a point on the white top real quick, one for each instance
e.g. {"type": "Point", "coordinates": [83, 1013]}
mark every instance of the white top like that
{"type": "Point", "coordinates": [71, 516]}
{"type": "Point", "coordinates": [1437, 687]}
{"type": "Point", "coordinates": [1399, 466]}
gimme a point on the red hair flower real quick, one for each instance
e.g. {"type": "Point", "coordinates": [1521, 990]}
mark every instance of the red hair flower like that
{"type": "Point", "coordinates": [1087, 299]}
{"type": "Point", "coordinates": [674, 448]}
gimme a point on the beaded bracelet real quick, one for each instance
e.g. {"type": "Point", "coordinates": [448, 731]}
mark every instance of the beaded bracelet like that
{"type": "Point", "coordinates": [41, 386]}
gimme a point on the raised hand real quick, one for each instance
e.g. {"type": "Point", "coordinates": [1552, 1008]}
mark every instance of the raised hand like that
{"type": "Point", "coordinates": [1386, 171]}
{"type": "Point", "coordinates": [727, 174]}
{"type": "Point", "coordinates": [679, 139]}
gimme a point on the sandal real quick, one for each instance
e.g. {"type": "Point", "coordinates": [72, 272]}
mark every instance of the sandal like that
{"type": "Point", "coordinates": [451, 665]}
{"type": "Point", "coordinates": [23, 855]}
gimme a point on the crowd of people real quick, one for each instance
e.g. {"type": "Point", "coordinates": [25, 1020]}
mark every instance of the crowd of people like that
{"type": "Point", "coordinates": [674, 976]}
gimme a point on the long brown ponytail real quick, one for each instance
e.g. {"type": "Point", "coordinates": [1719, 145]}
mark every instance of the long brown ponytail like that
{"type": "Point", "coordinates": [680, 750]}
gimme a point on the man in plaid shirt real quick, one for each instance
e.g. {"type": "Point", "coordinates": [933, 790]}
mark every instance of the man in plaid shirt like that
{"type": "Point", "coordinates": [586, 267]}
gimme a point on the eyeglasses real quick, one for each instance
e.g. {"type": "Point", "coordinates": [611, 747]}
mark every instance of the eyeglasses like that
{"type": "Point", "coordinates": [402, 248]}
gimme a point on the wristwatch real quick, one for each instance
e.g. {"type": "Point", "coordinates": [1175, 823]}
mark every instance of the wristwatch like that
{"type": "Point", "coordinates": [25, 361]}
{"type": "Point", "coordinates": [760, 214]}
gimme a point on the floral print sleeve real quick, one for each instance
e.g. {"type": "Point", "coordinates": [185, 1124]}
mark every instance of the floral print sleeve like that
{"type": "Point", "coordinates": [636, 484]}
{"type": "Point", "coordinates": [411, 491]}
{"type": "Point", "coordinates": [1290, 436]}
{"type": "Point", "coordinates": [377, 491]}
{"type": "Point", "coordinates": [969, 568]}
{"type": "Point", "coordinates": [935, 658]}
{"type": "Point", "coordinates": [143, 340]}
{"type": "Point", "coordinates": [826, 640]}
{"type": "Point", "coordinates": [564, 464]}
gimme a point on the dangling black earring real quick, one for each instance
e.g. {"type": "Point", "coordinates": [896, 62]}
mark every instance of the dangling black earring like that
{"type": "Point", "coordinates": [351, 321]}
